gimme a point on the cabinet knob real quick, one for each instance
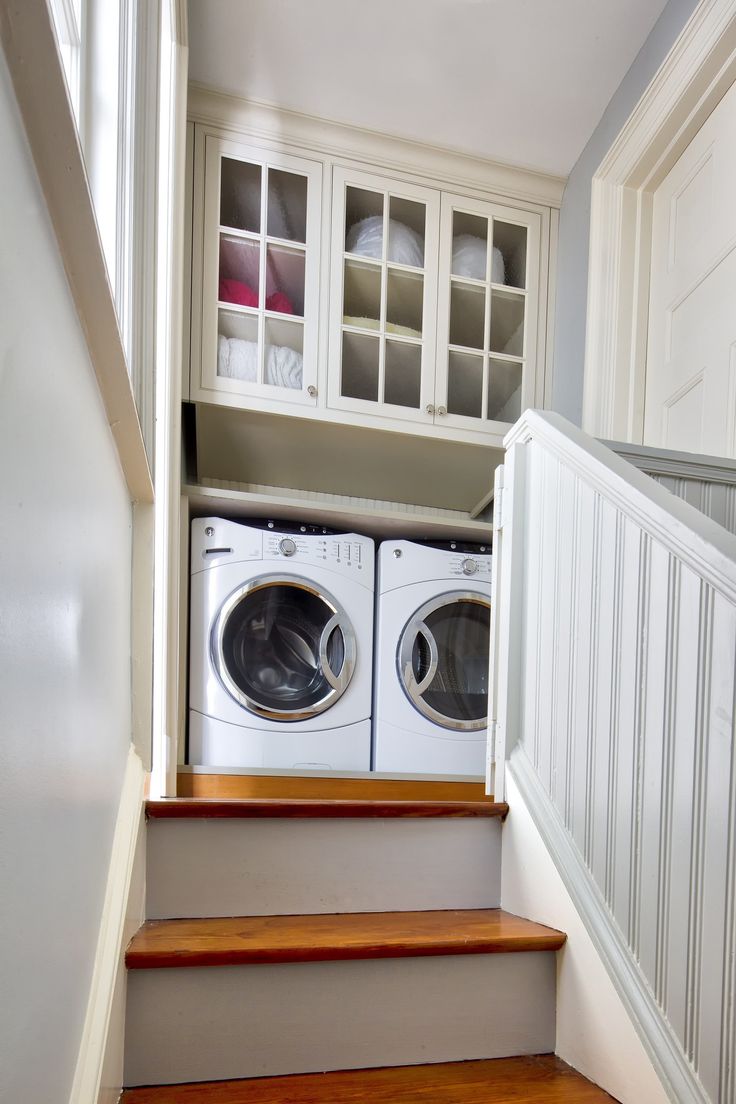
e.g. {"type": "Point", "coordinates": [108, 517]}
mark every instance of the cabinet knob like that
{"type": "Point", "coordinates": [312, 391]}
{"type": "Point", "coordinates": [441, 410]}
{"type": "Point", "coordinates": [430, 408]}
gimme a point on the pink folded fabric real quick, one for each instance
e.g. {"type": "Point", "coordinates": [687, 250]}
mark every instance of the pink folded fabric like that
{"type": "Point", "coordinates": [280, 302]}
{"type": "Point", "coordinates": [235, 291]}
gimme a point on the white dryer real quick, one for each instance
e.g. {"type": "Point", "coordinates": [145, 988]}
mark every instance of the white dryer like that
{"type": "Point", "coordinates": [432, 642]}
{"type": "Point", "coordinates": [281, 635]}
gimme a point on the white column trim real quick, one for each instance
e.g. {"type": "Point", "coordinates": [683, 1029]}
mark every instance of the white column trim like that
{"type": "Point", "coordinates": [692, 79]}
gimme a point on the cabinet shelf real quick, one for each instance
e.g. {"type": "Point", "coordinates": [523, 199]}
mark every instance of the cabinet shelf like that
{"type": "Point", "coordinates": [479, 353]}
{"type": "Point", "coordinates": [378, 519]}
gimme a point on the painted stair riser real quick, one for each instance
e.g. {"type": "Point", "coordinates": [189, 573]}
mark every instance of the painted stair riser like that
{"type": "Point", "coordinates": [249, 1021]}
{"type": "Point", "coordinates": [282, 867]}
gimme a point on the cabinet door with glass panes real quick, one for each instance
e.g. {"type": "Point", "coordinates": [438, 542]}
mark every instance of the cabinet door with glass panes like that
{"type": "Point", "coordinates": [383, 297]}
{"type": "Point", "coordinates": [486, 314]}
{"type": "Point", "coordinates": [260, 283]}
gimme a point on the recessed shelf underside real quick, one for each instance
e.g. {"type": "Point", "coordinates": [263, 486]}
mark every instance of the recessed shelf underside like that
{"type": "Point", "coordinates": [378, 483]}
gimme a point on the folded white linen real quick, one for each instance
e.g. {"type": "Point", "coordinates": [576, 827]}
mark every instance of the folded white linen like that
{"type": "Point", "coordinates": [238, 359]}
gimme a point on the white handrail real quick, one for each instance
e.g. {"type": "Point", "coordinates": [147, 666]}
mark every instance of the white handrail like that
{"type": "Point", "coordinates": [698, 540]}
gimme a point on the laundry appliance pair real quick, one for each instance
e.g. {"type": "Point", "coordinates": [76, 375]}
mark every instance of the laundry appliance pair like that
{"type": "Point", "coordinates": [282, 651]}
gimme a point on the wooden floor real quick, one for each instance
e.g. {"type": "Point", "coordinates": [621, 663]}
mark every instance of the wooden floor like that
{"type": "Point", "coordinates": [197, 808]}
{"type": "Point", "coordinates": [537, 1080]}
{"type": "Point", "coordinates": [238, 940]}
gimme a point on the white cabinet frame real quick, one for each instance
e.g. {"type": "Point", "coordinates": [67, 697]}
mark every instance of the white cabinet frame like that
{"type": "Point", "coordinates": [389, 188]}
{"type": "Point", "coordinates": [206, 385]}
{"type": "Point", "coordinates": [532, 319]}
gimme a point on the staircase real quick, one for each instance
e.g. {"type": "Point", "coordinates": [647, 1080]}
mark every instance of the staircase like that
{"type": "Point", "coordinates": [291, 937]}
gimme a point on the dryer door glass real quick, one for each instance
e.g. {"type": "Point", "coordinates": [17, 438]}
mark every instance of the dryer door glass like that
{"type": "Point", "coordinates": [443, 660]}
{"type": "Point", "coordinates": [283, 649]}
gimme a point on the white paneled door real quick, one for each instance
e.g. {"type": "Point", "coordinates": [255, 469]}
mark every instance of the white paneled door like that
{"type": "Point", "coordinates": [690, 401]}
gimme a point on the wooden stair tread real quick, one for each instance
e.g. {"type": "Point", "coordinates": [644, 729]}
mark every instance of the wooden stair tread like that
{"type": "Point", "coordinates": [237, 940]}
{"type": "Point", "coordinates": [540, 1079]}
{"type": "Point", "coordinates": [247, 808]}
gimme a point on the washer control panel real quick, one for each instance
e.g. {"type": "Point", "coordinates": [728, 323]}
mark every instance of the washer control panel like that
{"type": "Point", "coordinates": [348, 553]}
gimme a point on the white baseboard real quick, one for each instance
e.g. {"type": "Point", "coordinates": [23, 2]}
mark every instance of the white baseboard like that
{"type": "Point", "coordinates": [675, 1072]}
{"type": "Point", "coordinates": [112, 938]}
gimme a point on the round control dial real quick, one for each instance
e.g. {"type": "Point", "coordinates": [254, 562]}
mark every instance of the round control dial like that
{"type": "Point", "coordinates": [287, 547]}
{"type": "Point", "coordinates": [470, 566]}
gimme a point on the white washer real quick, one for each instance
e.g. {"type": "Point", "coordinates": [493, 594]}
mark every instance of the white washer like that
{"type": "Point", "coordinates": [281, 637]}
{"type": "Point", "coordinates": [432, 640]}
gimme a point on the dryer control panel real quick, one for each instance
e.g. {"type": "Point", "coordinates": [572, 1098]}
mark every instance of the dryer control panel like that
{"type": "Point", "coordinates": [468, 567]}
{"type": "Point", "coordinates": [402, 563]}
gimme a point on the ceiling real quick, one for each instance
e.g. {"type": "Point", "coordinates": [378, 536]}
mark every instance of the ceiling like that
{"type": "Point", "coordinates": [519, 81]}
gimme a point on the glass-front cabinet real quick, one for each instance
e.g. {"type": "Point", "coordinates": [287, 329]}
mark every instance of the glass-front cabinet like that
{"type": "Point", "coordinates": [356, 297]}
{"type": "Point", "coordinates": [486, 314]}
{"type": "Point", "coordinates": [260, 274]}
{"type": "Point", "coordinates": [383, 292]}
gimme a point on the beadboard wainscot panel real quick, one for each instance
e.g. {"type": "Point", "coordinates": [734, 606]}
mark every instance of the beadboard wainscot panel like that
{"type": "Point", "coordinates": [622, 739]}
{"type": "Point", "coordinates": [707, 482]}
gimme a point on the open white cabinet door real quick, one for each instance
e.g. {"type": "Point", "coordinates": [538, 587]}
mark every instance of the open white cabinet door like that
{"type": "Point", "coordinates": [506, 583]}
{"type": "Point", "coordinates": [494, 746]}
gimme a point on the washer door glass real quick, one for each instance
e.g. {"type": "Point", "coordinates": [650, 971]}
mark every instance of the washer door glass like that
{"type": "Point", "coordinates": [283, 649]}
{"type": "Point", "coordinates": [443, 660]}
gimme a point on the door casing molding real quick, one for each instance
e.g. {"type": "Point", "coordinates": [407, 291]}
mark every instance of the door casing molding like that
{"type": "Point", "coordinates": [695, 75]}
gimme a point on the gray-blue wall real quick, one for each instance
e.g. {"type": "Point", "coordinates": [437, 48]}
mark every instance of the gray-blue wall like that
{"type": "Point", "coordinates": [572, 273]}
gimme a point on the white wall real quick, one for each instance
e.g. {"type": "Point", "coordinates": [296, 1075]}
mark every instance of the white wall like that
{"type": "Point", "coordinates": [572, 285]}
{"type": "Point", "coordinates": [65, 556]}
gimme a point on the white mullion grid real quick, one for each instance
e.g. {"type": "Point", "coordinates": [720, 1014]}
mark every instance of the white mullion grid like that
{"type": "Point", "coordinates": [344, 229]}
{"type": "Point", "coordinates": [235, 232]}
{"type": "Point", "coordinates": [262, 277]}
{"type": "Point", "coordinates": [285, 243]}
{"type": "Point", "coordinates": [487, 326]}
{"type": "Point", "coordinates": [384, 300]}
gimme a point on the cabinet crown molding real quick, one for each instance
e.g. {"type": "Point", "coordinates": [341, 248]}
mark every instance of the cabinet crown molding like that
{"type": "Point", "coordinates": [266, 122]}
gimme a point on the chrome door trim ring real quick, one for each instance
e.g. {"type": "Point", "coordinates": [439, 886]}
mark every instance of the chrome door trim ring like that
{"type": "Point", "coordinates": [338, 683]}
{"type": "Point", "coordinates": [404, 654]}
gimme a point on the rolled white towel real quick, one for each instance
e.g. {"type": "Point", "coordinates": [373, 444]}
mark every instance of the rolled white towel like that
{"type": "Point", "coordinates": [284, 366]}
{"type": "Point", "coordinates": [405, 246]}
{"type": "Point", "coordinates": [238, 359]}
{"type": "Point", "coordinates": [469, 259]}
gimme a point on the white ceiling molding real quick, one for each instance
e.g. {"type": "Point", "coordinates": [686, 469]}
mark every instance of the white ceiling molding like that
{"type": "Point", "coordinates": [697, 72]}
{"type": "Point", "coordinates": [268, 124]}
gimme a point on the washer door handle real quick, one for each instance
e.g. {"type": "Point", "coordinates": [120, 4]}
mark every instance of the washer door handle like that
{"type": "Point", "coordinates": [336, 681]}
{"type": "Point", "coordinates": [434, 659]}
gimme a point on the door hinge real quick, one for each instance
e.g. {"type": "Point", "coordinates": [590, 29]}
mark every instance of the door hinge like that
{"type": "Point", "coordinates": [498, 510]}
